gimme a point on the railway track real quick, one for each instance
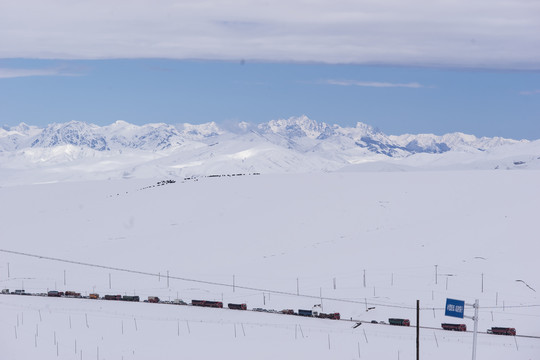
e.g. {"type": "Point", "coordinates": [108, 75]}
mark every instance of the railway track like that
{"type": "Point", "coordinates": [435, 328]}
{"type": "Point", "coordinates": [254, 310]}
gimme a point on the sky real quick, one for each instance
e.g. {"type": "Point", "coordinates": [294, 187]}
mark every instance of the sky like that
{"type": "Point", "coordinates": [415, 67]}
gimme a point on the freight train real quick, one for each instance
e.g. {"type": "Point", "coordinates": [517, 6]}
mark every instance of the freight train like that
{"type": "Point", "coordinates": [219, 304]}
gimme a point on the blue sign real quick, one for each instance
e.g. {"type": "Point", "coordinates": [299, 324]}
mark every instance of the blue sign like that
{"type": "Point", "coordinates": [454, 308]}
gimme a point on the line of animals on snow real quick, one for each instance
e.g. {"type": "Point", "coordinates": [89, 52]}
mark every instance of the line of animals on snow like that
{"type": "Point", "coordinates": [219, 304]}
{"type": "Point", "coordinates": [191, 178]}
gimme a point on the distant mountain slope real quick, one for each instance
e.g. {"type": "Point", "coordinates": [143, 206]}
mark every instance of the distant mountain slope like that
{"type": "Point", "coordinates": [299, 133]}
{"type": "Point", "coordinates": [297, 144]}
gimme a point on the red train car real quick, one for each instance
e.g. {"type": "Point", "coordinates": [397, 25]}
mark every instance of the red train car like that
{"type": "Point", "coordinates": [502, 331]}
{"type": "Point", "coordinates": [333, 316]}
{"type": "Point", "coordinates": [454, 327]}
{"type": "Point", "coordinates": [205, 303]}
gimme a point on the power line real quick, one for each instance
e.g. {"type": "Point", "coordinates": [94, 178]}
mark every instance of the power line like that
{"type": "Point", "coordinates": [234, 286]}
{"type": "Point", "coordinates": [213, 283]}
{"type": "Point", "coordinates": [492, 307]}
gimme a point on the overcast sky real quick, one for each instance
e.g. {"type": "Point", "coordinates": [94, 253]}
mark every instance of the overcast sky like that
{"type": "Point", "coordinates": [404, 66]}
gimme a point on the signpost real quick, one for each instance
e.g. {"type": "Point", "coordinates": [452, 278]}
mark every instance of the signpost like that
{"type": "Point", "coordinates": [456, 308]}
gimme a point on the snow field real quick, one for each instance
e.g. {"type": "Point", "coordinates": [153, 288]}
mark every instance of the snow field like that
{"type": "Point", "coordinates": [286, 233]}
{"type": "Point", "coordinates": [68, 327]}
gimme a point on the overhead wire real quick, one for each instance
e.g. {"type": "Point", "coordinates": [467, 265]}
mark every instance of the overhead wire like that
{"type": "Point", "coordinates": [206, 282]}
{"type": "Point", "coordinates": [249, 288]}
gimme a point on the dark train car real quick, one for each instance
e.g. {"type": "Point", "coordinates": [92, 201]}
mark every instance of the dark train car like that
{"type": "Point", "coordinates": [287, 311]}
{"type": "Point", "coordinates": [399, 322]}
{"type": "Point", "coordinates": [53, 293]}
{"type": "Point", "coordinates": [130, 298]}
{"type": "Point", "coordinates": [237, 306]}
{"type": "Point", "coordinates": [305, 312]}
{"type": "Point", "coordinates": [153, 299]}
{"type": "Point", "coordinates": [502, 331]}
{"type": "Point", "coordinates": [73, 294]}
{"type": "Point", "coordinates": [205, 303]}
{"type": "Point", "coordinates": [113, 297]}
{"type": "Point", "coordinates": [454, 327]}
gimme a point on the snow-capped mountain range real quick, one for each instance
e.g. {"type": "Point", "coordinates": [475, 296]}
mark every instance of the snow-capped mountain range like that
{"type": "Point", "coordinates": [299, 133]}
{"type": "Point", "coordinates": [297, 144]}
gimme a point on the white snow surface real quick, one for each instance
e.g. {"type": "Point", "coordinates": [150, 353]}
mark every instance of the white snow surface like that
{"type": "Point", "coordinates": [278, 234]}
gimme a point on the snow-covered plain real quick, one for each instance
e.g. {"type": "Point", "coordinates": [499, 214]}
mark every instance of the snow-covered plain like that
{"type": "Point", "coordinates": [316, 234]}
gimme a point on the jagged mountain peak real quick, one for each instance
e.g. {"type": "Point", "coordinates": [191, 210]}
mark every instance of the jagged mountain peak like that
{"type": "Point", "coordinates": [446, 142]}
{"type": "Point", "coordinates": [199, 131]}
{"type": "Point", "coordinates": [21, 128]}
{"type": "Point", "coordinates": [73, 124]}
{"type": "Point", "coordinates": [75, 133]}
{"type": "Point", "coordinates": [368, 129]}
{"type": "Point", "coordinates": [295, 127]}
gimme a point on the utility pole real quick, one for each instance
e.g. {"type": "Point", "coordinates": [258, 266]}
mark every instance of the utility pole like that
{"type": "Point", "coordinates": [436, 276]}
{"type": "Point", "coordinates": [476, 305]}
{"type": "Point", "coordinates": [482, 282]}
{"type": "Point", "coordinates": [417, 329]}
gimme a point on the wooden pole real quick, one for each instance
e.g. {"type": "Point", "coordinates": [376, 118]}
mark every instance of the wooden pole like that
{"type": "Point", "coordinates": [364, 278]}
{"type": "Point", "coordinates": [482, 282]}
